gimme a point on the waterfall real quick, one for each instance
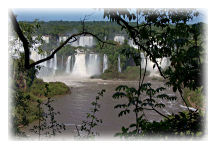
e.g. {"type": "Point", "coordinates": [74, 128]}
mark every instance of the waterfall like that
{"type": "Point", "coordinates": [44, 70]}
{"type": "Point", "coordinates": [131, 44]}
{"type": "Point", "coordinates": [36, 57]}
{"type": "Point", "coordinates": [93, 65]}
{"type": "Point", "coordinates": [51, 63]}
{"type": "Point", "coordinates": [68, 64]}
{"type": "Point", "coordinates": [72, 62]}
{"type": "Point", "coordinates": [119, 39]}
{"type": "Point", "coordinates": [150, 64]}
{"type": "Point", "coordinates": [75, 43]}
{"type": "Point", "coordinates": [62, 38]}
{"type": "Point", "coordinates": [85, 65]}
{"type": "Point", "coordinates": [142, 60]}
{"type": "Point", "coordinates": [163, 63]}
{"type": "Point", "coordinates": [62, 63]}
{"type": "Point", "coordinates": [42, 57]}
{"type": "Point", "coordinates": [119, 64]}
{"type": "Point", "coordinates": [55, 62]}
{"type": "Point", "coordinates": [86, 41]}
{"type": "Point", "coordinates": [45, 63]}
{"type": "Point", "coordinates": [79, 69]}
{"type": "Point", "coordinates": [105, 63]}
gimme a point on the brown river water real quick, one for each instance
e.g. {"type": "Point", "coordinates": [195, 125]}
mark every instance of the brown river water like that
{"type": "Point", "coordinates": [74, 106]}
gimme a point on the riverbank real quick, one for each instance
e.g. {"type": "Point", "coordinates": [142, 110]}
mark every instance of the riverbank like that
{"type": "Point", "coordinates": [38, 89]}
{"type": "Point", "coordinates": [28, 106]}
{"type": "Point", "coordinates": [74, 106]}
{"type": "Point", "coordinates": [130, 73]}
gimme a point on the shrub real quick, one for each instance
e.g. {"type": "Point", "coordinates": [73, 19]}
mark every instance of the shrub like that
{"type": "Point", "coordinates": [131, 73]}
{"type": "Point", "coordinates": [183, 124]}
{"type": "Point", "coordinates": [56, 88]}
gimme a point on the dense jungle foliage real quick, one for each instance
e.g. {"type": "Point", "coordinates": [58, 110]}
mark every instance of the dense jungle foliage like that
{"type": "Point", "coordinates": [158, 33]}
{"type": "Point", "coordinates": [26, 90]}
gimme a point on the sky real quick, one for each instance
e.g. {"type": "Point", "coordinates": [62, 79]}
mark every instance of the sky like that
{"type": "Point", "coordinates": [65, 14]}
{"type": "Point", "coordinates": [75, 14]}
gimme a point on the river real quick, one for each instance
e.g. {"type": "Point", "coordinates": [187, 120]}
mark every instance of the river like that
{"type": "Point", "coordinates": [74, 106]}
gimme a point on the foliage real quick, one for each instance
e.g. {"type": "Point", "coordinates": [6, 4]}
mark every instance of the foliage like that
{"type": "Point", "coordinates": [179, 41]}
{"type": "Point", "coordinates": [64, 28]}
{"type": "Point", "coordinates": [56, 88]}
{"type": "Point", "coordinates": [92, 121]}
{"type": "Point", "coordinates": [54, 126]}
{"type": "Point", "coordinates": [20, 108]}
{"type": "Point", "coordinates": [158, 33]}
{"type": "Point", "coordinates": [26, 92]}
{"type": "Point", "coordinates": [113, 52]}
{"type": "Point", "coordinates": [67, 50]}
{"type": "Point", "coordinates": [138, 104]}
{"type": "Point", "coordinates": [30, 32]}
{"type": "Point", "coordinates": [195, 98]}
{"type": "Point", "coordinates": [162, 33]}
{"type": "Point", "coordinates": [22, 78]}
{"type": "Point", "coordinates": [183, 124]}
{"type": "Point", "coordinates": [130, 73]}
{"type": "Point", "coordinates": [51, 127]}
{"type": "Point", "coordinates": [23, 109]}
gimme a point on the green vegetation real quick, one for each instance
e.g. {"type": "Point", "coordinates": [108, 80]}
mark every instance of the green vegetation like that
{"type": "Point", "coordinates": [46, 120]}
{"type": "Point", "coordinates": [128, 65]}
{"type": "Point", "coordinates": [26, 91]}
{"type": "Point", "coordinates": [161, 33]}
{"type": "Point", "coordinates": [67, 50]}
{"type": "Point", "coordinates": [195, 98]}
{"type": "Point", "coordinates": [138, 105]}
{"type": "Point", "coordinates": [130, 73]}
{"type": "Point", "coordinates": [184, 44]}
{"type": "Point", "coordinates": [92, 120]}
{"type": "Point", "coordinates": [56, 88]}
{"type": "Point", "coordinates": [183, 124]}
{"type": "Point", "coordinates": [60, 28]}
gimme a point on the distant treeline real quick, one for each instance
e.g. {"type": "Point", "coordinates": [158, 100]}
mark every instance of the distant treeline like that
{"type": "Point", "coordinates": [99, 28]}
{"type": "Point", "coordinates": [66, 28]}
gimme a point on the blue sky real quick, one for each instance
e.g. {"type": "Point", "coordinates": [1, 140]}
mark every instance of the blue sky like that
{"type": "Point", "coordinates": [66, 14]}
{"type": "Point", "coordinates": [75, 14]}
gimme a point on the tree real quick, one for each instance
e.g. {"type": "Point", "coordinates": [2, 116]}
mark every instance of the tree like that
{"type": "Point", "coordinates": [175, 39]}
{"type": "Point", "coordinates": [163, 33]}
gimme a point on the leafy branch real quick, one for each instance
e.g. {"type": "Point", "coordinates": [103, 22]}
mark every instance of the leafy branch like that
{"type": "Point", "coordinates": [138, 105]}
{"type": "Point", "coordinates": [92, 120]}
{"type": "Point", "coordinates": [51, 127]}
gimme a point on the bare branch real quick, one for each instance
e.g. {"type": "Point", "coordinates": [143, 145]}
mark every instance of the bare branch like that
{"type": "Point", "coordinates": [77, 130]}
{"type": "Point", "coordinates": [159, 113]}
{"type": "Point", "coordinates": [64, 43]}
{"type": "Point", "coordinates": [26, 43]}
{"type": "Point", "coordinates": [153, 109]}
{"type": "Point", "coordinates": [180, 92]}
{"type": "Point", "coordinates": [75, 39]}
